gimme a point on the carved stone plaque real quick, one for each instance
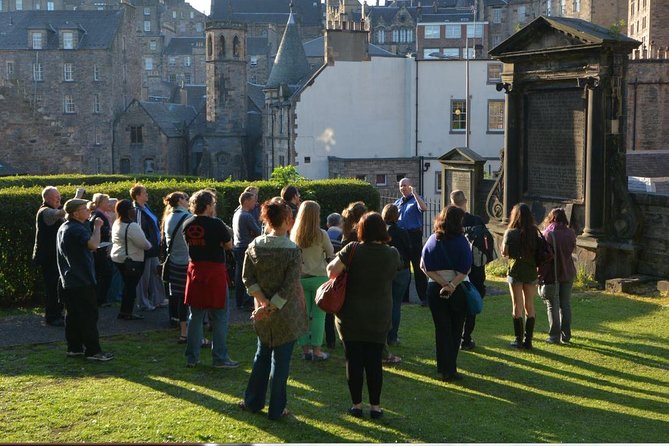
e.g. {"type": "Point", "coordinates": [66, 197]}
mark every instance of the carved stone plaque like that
{"type": "Point", "coordinates": [555, 149]}
{"type": "Point", "coordinates": [459, 180]}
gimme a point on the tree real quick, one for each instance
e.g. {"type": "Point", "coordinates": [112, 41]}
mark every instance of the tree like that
{"type": "Point", "coordinates": [286, 175]}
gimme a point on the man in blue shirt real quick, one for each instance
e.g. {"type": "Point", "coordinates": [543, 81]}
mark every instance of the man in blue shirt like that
{"type": "Point", "coordinates": [245, 227]}
{"type": "Point", "coordinates": [74, 248]}
{"type": "Point", "coordinates": [411, 207]}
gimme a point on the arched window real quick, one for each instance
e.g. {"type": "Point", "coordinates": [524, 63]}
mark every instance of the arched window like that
{"type": "Point", "coordinates": [380, 35]}
{"type": "Point", "coordinates": [210, 46]}
{"type": "Point", "coordinates": [221, 49]}
{"type": "Point", "coordinates": [235, 47]}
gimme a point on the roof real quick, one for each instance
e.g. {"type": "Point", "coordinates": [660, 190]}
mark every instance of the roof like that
{"type": "Point", "coordinates": [539, 37]}
{"type": "Point", "coordinates": [183, 45]}
{"type": "Point", "coordinates": [98, 28]}
{"type": "Point", "coordinates": [171, 118]}
{"type": "Point", "coordinates": [461, 155]}
{"type": "Point", "coordinates": [256, 95]}
{"type": "Point", "coordinates": [315, 48]}
{"type": "Point", "coordinates": [290, 65]}
{"type": "Point", "coordinates": [257, 45]}
{"type": "Point", "coordinates": [308, 12]}
{"type": "Point", "coordinates": [196, 95]}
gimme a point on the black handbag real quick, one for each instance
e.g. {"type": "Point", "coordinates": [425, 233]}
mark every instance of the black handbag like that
{"type": "Point", "coordinates": [132, 267]}
{"type": "Point", "coordinates": [165, 266]}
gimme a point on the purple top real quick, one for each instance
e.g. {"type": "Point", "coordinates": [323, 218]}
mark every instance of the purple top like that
{"type": "Point", "coordinates": [565, 242]}
{"type": "Point", "coordinates": [454, 254]}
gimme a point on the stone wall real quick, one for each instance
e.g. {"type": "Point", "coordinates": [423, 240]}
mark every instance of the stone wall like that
{"type": "Point", "coordinates": [647, 105]}
{"type": "Point", "coordinates": [373, 170]}
{"type": "Point", "coordinates": [654, 238]}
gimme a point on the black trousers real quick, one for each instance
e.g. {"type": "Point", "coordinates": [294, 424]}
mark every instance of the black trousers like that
{"type": "Point", "coordinates": [103, 274]}
{"type": "Point", "coordinates": [330, 331]}
{"type": "Point", "coordinates": [81, 320]}
{"type": "Point", "coordinates": [53, 308]}
{"type": "Point", "coordinates": [364, 358]}
{"type": "Point", "coordinates": [448, 316]}
{"type": "Point", "coordinates": [477, 278]}
{"type": "Point", "coordinates": [420, 280]}
{"type": "Point", "coordinates": [130, 282]}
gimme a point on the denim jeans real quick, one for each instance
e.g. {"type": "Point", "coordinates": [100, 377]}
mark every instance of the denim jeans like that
{"type": "Point", "coordinates": [271, 366]}
{"type": "Point", "coordinates": [218, 318]}
{"type": "Point", "coordinates": [241, 296]}
{"type": "Point", "coordinates": [401, 283]}
{"type": "Point", "coordinates": [558, 308]}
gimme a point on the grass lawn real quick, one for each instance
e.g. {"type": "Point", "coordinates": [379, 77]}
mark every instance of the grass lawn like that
{"type": "Point", "coordinates": [611, 385]}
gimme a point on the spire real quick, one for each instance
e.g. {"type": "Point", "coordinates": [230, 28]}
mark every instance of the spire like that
{"type": "Point", "coordinates": [290, 64]}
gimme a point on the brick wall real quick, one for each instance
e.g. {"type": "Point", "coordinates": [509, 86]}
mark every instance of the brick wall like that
{"type": "Point", "coordinates": [394, 170]}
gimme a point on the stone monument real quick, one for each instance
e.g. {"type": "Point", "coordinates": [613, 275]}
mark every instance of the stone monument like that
{"type": "Point", "coordinates": [564, 81]}
{"type": "Point", "coordinates": [462, 169]}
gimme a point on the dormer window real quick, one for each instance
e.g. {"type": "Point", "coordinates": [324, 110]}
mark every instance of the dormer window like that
{"type": "Point", "coordinates": [38, 41]}
{"type": "Point", "coordinates": [68, 40]}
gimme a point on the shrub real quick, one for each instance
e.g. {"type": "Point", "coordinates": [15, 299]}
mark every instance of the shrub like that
{"type": "Point", "coordinates": [20, 281]}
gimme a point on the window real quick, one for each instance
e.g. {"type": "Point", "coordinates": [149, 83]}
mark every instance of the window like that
{"type": "Point", "coordinates": [68, 40]}
{"type": "Point", "coordinates": [399, 177]}
{"type": "Point", "coordinates": [68, 104]}
{"type": "Point", "coordinates": [187, 61]}
{"type": "Point", "coordinates": [136, 135]}
{"type": "Point", "coordinates": [496, 40]}
{"type": "Point", "coordinates": [475, 30]}
{"type": "Point", "coordinates": [361, 177]}
{"type": "Point", "coordinates": [380, 36]}
{"type": "Point", "coordinates": [563, 7]}
{"type": "Point", "coordinates": [471, 53]}
{"type": "Point", "coordinates": [98, 138]}
{"type": "Point", "coordinates": [198, 27]}
{"type": "Point", "coordinates": [125, 165]}
{"type": "Point", "coordinates": [147, 11]}
{"type": "Point", "coordinates": [172, 78]}
{"type": "Point", "coordinates": [431, 53]}
{"type": "Point", "coordinates": [147, 26]}
{"type": "Point", "coordinates": [37, 72]}
{"type": "Point", "coordinates": [96, 72]}
{"type": "Point", "coordinates": [148, 165]}
{"type": "Point", "coordinates": [453, 31]}
{"type": "Point", "coordinates": [235, 47]}
{"type": "Point", "coordinates": [174, 14]}
{"type": "Point", "coordinates": [254, 61]}
{"type": "Point", "coordinates": [497, 15]}
{"type": "Point", "coordinates": [403, 35]}
{"type": "Point", "coordinates": [148, 63]}
{"type": "Point", "coordinates": [187, 78]}
{"type": "Point", "coordinates": [458, 115]}
{"type": "Point", "coordinates": [50, 6]}
{"type": "Point", "coordinates": [521, 14]}
{"type": "Point", "coordinates": [437, 182]}
{"type": "Point", "coordinates": [68, 75]}
{"type": "Point", "coordinates": [495, 115]}
{"type": "Point", "coordinates": [153, 45]}
{"type": "Point", "coordinates": [432, 31]}
{"type": "Point", "coordinates": [96, 103]}
{"type": "Point", "coordinates": [643, 23]}
{"type": "Point", "coordinates": [192, 15]}
{"type": "Point", "coordinates": [549, 8]}
{"type": "Point", "coordinates": [494, 73]}
{"type": "Point", "coordinates": [10, 70]}
{"type": "Point", "coordinates": [172, 61]}
{"type": "Point", "coordinates": [381, 179]}
{"type": "Point", "coordinates": [577, 6]}
{"type": "Point", "coordinates": [19, 5]}
{"type": "Point", "coordinates": [632, 10]}
{"type": "Point", "coordinates": [37, 41]}
{"type": "Point", "coordinates": [451, 53]}
{"type": "Point", "coordinates": [307, 160]}
{"type": "Point", "coordinates": [38, 6]}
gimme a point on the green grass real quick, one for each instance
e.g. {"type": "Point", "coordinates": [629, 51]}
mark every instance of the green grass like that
{"type": "Point", "coordinates": [611, 385]}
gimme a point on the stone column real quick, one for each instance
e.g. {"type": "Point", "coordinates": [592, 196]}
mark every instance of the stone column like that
{"type": "Point", "coordinates": [511, 151]}
{"type": "Point", "coordinates": [595, 172]}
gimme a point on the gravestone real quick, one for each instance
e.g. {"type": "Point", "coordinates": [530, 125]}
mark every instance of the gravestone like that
{"type": "Point", "coordinates": [564, 81]}
{"type": "Point", "coordinates": [462, 169]}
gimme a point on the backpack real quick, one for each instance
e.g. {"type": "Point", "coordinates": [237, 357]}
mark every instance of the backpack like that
{"type": "Point", "coordinates": [482, 243]}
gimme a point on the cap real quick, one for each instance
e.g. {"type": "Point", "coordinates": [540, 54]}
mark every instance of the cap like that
{"type": "Point", "coordinates": [73, 204]}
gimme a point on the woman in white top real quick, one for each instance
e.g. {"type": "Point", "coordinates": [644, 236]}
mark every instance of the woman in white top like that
{"type": "Point", "coordinates": [316, 251]}
{"type": "Point", "coordinates": [128, 241]}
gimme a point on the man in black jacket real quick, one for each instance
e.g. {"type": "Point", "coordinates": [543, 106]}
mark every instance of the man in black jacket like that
{"type": "Point", "coordinates": [150, 290]}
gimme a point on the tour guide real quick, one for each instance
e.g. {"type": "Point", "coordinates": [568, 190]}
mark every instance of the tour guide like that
{"type": "Point", "coordinates": [411, 208]}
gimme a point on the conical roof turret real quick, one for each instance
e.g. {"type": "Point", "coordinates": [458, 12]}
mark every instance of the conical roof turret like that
{"type": "Point", "coordinates": [290, 64]}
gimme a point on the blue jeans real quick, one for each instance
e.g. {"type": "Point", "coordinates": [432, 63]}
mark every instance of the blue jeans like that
{"type": "Point", "coordinates": [271, 366]}
{"type": "Point", "coordinates": [241, 296]}
{"type": "Point", "coordinates": [401, 283]}
{"type": "Point", "coordinates": [219, 321]}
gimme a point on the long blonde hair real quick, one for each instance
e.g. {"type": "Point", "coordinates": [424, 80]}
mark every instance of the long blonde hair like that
{"type": "Point", "coordinates": [307, 230]}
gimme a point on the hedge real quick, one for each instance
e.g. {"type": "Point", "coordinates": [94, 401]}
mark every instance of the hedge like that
{"type": "Point", "coordinates": [20, 281]}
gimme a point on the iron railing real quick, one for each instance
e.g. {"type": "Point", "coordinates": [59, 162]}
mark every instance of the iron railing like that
{"type": "Point", "coordinates": [433, 209]}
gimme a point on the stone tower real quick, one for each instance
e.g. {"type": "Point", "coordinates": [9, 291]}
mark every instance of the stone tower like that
{"type": "Point", "coordinates": [226, 93]}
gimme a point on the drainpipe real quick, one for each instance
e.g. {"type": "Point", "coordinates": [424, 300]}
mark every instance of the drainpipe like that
{"type": "Point", "coordinates": [420, 166]}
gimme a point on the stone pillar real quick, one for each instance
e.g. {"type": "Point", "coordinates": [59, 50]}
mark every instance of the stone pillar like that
{"type": "Point", "coordinates": [595, 178]}
{"type": "Point", "coordinates": [512, 150]}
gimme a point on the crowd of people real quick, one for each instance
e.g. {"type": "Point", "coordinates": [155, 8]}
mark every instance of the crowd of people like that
{"type": "Point", "coordinates": [276, 256]}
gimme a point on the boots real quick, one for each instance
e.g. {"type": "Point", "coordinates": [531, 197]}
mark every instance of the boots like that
{"type": "Point", "coordinates": [529, 331]}
{"type": "Point", "coordinates": [518, 330]}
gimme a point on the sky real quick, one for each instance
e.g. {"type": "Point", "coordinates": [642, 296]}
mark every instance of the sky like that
{"type": "Point", "coordinates": [204, 5]}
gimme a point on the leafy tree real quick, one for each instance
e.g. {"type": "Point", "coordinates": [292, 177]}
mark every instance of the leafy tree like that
{"type": "Point", "coordinates": [286, 175]}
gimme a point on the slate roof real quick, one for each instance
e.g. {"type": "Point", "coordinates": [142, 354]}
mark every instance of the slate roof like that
{"type": "Point", "coordinates": [182, 45]}
{"type": "Point", "coordinates": [196, 95]}
{"type": "Point", "coordinates": [98, 28]}
{"type": "Point", "coordinates": [171, 118]}
{"type": "Point", "coordinates": [267, 11]}
{"type": "Point", "coordinates": [290, 65]}
{"type": "Point", "coordinates": [315, 48]}
{"type": "Point", "coordinates": [256, 96]}
{"type": "Point", "coordinates": [256, 46]}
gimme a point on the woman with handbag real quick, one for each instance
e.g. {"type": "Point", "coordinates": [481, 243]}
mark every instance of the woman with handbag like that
{"type": "Point", "coordinates": [446, 260]}
{"type": "Point", "coordinates": [272, 269]}
{"type": "Point", "coordinates": [316, 248]}
{"type": "Point", "coordinates": [176, 262]}
{"type": "Point", "coordinates": [520, 243]}
{"type": "Point", "coordinates": [128, 246]}
{"type": "Point", "coordinates": [365, 318]}
{"type": "Point", "coordinates": [557, 276]}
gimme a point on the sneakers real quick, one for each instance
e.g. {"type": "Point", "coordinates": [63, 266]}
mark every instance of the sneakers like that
{"type": "Point", "coordinates": [102, 356]}
{"type": "Point", "coordinates": [468, 345]}
{"type": "Point", "coordinates": [552, 340]}
{"type": "Point", "coordinates": [74, 354]}
{"type": "Point", "coordinates": [322, 357]}
{"type": "Point", "coordinates": [227, 364]}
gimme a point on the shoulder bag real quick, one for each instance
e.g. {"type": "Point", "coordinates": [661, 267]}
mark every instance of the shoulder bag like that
{"type": "Point", "coordinates": [330, 296]}
{"type": "Point", "coordinates": [548, 290]}
{"type": "Point", "coordinates": [132, 267]}
{"type": "Point", "coordinates": [472, 295]}
{"type": "Point", "coordinates": [165, 266]}
{"type": "Point", "coordinates": [544, 251]}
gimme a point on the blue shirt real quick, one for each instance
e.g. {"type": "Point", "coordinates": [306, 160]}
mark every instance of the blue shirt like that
{"type": "Point", "coordinates": [411, 216]}
{"type": "Point", "coordinates": [75, 260]}
{"type": "Point", "coordinates": [453, 253]}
